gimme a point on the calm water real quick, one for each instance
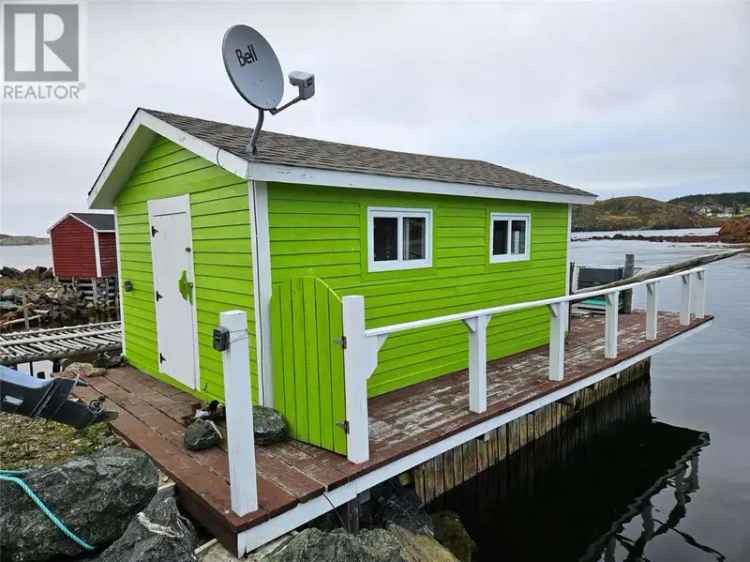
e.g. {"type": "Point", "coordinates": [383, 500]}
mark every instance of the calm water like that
{"type": "Point", "coordinates": [23, 257]}
{"type": "Point", "coordinates": [702, 384]}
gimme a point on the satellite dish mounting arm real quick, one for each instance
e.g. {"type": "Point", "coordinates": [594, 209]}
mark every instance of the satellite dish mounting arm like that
{"type": "Point", "coordinates": [252, 145]}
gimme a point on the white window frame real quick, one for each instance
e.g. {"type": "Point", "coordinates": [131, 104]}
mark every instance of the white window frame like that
{"type": "Point", "coordinates": [400, 214]}
{"type": "Point", "coordinates": [503, 258]}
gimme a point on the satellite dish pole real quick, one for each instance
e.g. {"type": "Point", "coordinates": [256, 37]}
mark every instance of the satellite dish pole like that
{"type": "Point", "coordinates": [255, 72]}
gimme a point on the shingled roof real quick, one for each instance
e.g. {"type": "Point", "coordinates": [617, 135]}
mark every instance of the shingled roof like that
{"type": "Point", "coordinates": [97, 221]}
{"type": "Point", "coordinates": [290, 150]}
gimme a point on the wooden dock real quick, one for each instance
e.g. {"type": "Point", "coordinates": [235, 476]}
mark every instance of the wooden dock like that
{"type": "Point", "coordinates": [57, 343]}
{"type": "Point", "coordinates": [297, 482]}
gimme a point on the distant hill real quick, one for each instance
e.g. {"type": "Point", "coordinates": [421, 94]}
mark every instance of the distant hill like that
{"type": "Point", "coordinates": [739, 199]}
{"type": "Point", "coordinates": [637, 213]}
{"type": "Point", "coordinates": [10, 240]}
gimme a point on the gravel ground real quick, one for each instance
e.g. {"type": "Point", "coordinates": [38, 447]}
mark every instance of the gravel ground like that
{"type": "Point", "coordinates": [27, 443]}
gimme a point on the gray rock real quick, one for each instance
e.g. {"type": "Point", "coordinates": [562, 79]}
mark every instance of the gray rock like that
{"type": "Point", "coordinates": [201, 434]}
{"type": "Point", "coordinates": [10, 272]}
{"type": "Point", "coordinates": [83, 369]}
{"type": "Point", "coordinates": [12, 295]}
{"type": "Point", "coordinates": [7, 306]}
{"type": "Point", "coordinates": [398, 505]}
{"type": "Point", "coordinates": [451, 533]}
{"type": "Point", "coordinates": [269, 425]}
{"type": "Point", "coordinates": [314, 545]}
{"type": "Point", "coordinates": [108, 360]}
{"type": "Point", "coordinates": [156, 534]}
{"type": "Point", "coordinates": [96, 496]}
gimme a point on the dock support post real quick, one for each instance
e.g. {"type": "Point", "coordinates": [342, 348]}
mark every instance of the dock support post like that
{"type": "Point", "coordinates": [687, 289]}
{"type": "Point", "coordinates": [652, 311]}
{"type": "Point", "coordinates": [360, 360]}
{"type": "Point", "coordinates": [699, 294]}
{"type": "Point", "coordinates": [477, 363]}
{"type": "Point", "coordinates": [558, 318]}
{"type": "Point", "coordinates": [243, 483]}
{"type": "Point", "coordinates": [627, 295]}
{"type": "Point", "coordinates": [611, 320]}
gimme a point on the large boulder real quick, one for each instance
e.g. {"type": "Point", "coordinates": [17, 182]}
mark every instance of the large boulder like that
{"type": "Point", "coordinates": [201, 434]}
{"type": "Point", "coordinates": [96, 496]}
{"type": "Point", "coordinates": [269, 425]}
{"type": "Point", "coordinates": [12, 294]}
{"type": "Point", "coordinates": [156, 534]}
{"type": "Point", "coordinates": [10, 272]}
{"type": "Point", "coordinates": [452, 534]}
{"type": "Point", "coordinates": [416, 547]}
{"type": "Point", "coordinates": [398, 505]}
{"type": "Point", "coordinates": [314, 545]}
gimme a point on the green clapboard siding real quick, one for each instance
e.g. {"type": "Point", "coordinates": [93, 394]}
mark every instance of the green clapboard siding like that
{"type": "Point", "coordinates": [221, 253]}
{"type": "Point", "coordinates": [308, 373]}
{"type": "Point", "coordinates": [322, 232]}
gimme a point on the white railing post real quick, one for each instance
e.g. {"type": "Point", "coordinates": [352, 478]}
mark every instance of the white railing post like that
{"type": "Point", "coordinates": [239, 414]}
{"type": "Point", "coordinates": [652, 311]}
{"type": "Point", "coordinates": [558, 320]}
{"type": "Point", "coordinates": [360, 360]}
{"type": "Point", "coordinates": [477, 363]}
{"type": "Point", "coordinates": [611, 320]}
{"type": "Point", "coordinates": [699, 294]}
{"type": "Point", "coordinates": [687, 289]}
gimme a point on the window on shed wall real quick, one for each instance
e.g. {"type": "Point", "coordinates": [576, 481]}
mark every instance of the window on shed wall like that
{"type": "Point", "coordinates": [510, 237]}
{"type": "Point", "coordinates": [399, 238]}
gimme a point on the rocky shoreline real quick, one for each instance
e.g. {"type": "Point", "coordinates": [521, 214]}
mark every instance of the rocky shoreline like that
{"type": "Point", "coordinates": [35, 295]}
{"type": "Point", "coordinates": [688, 239]}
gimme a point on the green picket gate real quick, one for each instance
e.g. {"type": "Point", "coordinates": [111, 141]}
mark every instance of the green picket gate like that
{"type": "Point", "coordinates": [308, 361]}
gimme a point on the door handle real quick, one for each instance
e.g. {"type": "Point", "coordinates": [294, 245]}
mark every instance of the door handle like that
{"type": "Point", "coordinates": [186, 287]}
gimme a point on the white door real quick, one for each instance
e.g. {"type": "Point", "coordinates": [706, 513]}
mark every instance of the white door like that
{"type": "Point", "coordinates": [172, 260]}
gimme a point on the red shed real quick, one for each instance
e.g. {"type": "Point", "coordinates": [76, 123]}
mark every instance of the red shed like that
{"type": "Point", "coordinates": [83, 246]}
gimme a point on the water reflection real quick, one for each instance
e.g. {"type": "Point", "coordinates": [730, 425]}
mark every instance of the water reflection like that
{"type": "Point", "coordinates": [607, 486]}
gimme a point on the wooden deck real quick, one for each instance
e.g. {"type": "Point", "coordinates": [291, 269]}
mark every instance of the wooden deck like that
{"type": "Point", "coordinates": [153, 416]}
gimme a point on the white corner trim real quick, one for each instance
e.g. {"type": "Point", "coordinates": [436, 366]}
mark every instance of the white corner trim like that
{"type": "Point", "coordinates": [113, 176]}
{"type": "Point", "coordinates": [261, 249]}
{"type": "Point", "coordinates": [119, 284]}
{"type": "Point", "coordinates": [400, 263]}
{"type": "Point", "coordinates": [303, 512]}
{"type": "Point", "coordinates": [509, 257]}
{"type": "Point", "coordinates": [97, 254]}
{"type": "Point", "coordinates": [356, 180]}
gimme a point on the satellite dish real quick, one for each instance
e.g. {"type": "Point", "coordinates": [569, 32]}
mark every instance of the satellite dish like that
{"type": "Point", "coordinates": [252, 67]}
{"type": "Point", "coordinates": [256, 74]}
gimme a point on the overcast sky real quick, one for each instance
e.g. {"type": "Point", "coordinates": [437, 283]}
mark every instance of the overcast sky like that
{"type": "Point", "coordinates": [619, 99]}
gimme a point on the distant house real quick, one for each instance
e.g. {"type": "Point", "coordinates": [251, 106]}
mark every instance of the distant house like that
{"type": "Point", "coordinates": [83, 246]}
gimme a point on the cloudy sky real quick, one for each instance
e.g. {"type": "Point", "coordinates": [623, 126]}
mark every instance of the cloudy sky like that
{"type": "Point", "coordinates": [619, 99]}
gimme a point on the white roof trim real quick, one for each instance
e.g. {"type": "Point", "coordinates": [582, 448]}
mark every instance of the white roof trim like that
{"type": "Point", "coordinates": [67, 216]}
{"type": "Point", "coordinates": [141, 129]}
{"type": "Point", "coordinates": [354, 180]}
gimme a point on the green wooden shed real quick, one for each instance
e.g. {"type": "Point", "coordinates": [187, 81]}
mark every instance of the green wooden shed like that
{"type": "Point", "coordinates": [204, 227]}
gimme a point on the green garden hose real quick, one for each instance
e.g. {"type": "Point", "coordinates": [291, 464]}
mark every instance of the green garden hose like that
{"type": "Point", "coordinates": [14, 476]}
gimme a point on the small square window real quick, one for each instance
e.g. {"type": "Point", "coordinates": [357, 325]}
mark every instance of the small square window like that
{"type": "Point", "coordinates": [399, 238]}
{"type": "Point", "coordinates": [510, 237]}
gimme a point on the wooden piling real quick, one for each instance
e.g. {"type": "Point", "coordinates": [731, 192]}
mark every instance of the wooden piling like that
{"type": "Point", "coordinates": [557, 423]}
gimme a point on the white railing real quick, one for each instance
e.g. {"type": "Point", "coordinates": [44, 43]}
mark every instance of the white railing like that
{"type": "Point", "coordinates": [362, 344]}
